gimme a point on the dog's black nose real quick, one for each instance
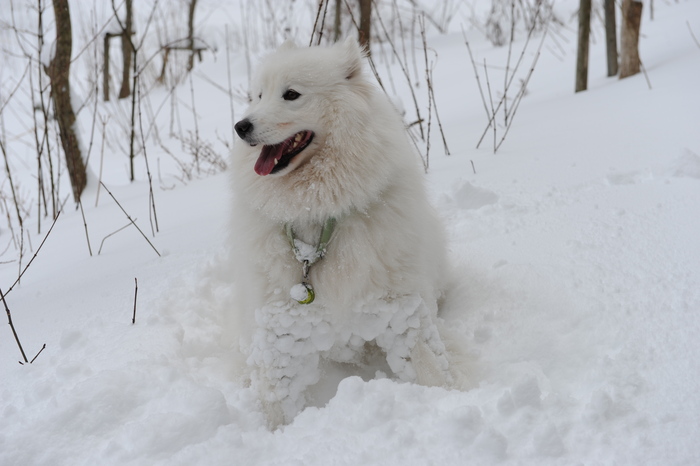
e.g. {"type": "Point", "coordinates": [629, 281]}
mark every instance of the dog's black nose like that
{"type": "Point", "coordinates": [243, 127]}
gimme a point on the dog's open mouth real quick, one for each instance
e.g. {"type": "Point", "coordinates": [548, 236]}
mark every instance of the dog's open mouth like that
{"type": "Point", "coordinates": [278, 156]}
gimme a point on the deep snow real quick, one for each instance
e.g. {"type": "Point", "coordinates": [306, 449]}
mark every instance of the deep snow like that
{"type": "Point", "coordinates": [577, 242]}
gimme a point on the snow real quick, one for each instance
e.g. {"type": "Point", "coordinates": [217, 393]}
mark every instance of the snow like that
{"type": "Point", "coordinates": [305, 252]}
{"type": "Point", "coordinates": [577, 244]}
{"type": "Point", "coordinates": [300, 292]}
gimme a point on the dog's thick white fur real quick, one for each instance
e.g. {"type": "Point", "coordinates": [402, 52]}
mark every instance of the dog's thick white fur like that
{"type": "Point", "coordinates": [384, 271]}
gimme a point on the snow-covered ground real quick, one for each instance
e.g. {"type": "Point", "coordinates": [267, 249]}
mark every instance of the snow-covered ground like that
{"type": "Point", "coordinates": [578, 244]}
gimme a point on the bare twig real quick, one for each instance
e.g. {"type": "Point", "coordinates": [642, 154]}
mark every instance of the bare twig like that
{"type": "Point", "coordinates": [130, 219]}
{"type": "Point", "coordinates": [369, 57]}
{"type": "Point", "coordinates": [12, 188]}
{"type": "Point", "coordinates": [13, 91]}
{"type": "Point", "coordinates": [476, 74]}
{"type": "Point", "coordinates": [132, 133]}
{"type": "Point", "coordinates": [152, 214]}
{"type": "Point", "coordinates": [14, 332]}
{"type": "Point", "coordinates": [523, 88]}
{"type": "Point", "coordinates": [323, 23]}
{"type": "Point", "coordinates": [437, 114]}
{"type": "Point", "coordinates": [695, 39]}
{"type": "Point", "coordinates": [135, 76]}
{"type": "Point", "coordinates": [644, 70]}
{"type": "Point", "coordinates": [45, 136]}
{"type": "Point", "coordinates": [99, 251]}
{"type": "Point", "coordinates": [94, 112]}
{"type": "Point", "coordinates": [195, 117]}
{"type": "Point", "coordinates": [493, 112]}
{"type": "Point", "coordinates": [136, 291]}
{"type": "Point", "coordinates": [515, 69]}
{"type": "Point", "coordinates": [13, 236]}
{"type": "Point", "coordinates": [87, 236]}
{"type": "Point", "coordinates": [9, 243]}
{"type": "Point", "coordinates": [37, 354]}
{"type": "Point", "coordinates": [403, 69]}
{"type": "Point", "coordinates": [35, 253]}
{"type": "Point", "coordinates": [432, 20]}
{"type": "Point", "coordinates": [510, 49]}
{"type": "Point", "coordinates": [521, 93]}
{"type": "Point", "coordinates": [41, 192]}
{"type": "Point", "coordinates": [427, 140]}
{"type": "Point", "coordinates": [429, 80]}
{"type": "Point", "coordinates": [102, 156]}
{"type": "Point", "coordinates": [318, 14]}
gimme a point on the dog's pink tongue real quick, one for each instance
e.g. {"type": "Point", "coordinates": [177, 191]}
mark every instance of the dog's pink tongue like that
{"type": "Point", "coordinates": [266, 161]}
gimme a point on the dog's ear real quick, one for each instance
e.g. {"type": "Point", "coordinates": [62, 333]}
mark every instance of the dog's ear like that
{"type": "Point", "coordinates": [288, 45]}
{"type": "Point", "coordinates": [353, 58]}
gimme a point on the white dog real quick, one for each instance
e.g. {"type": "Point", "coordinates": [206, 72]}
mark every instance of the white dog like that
{"type": "Point", "coordinates": [338, 249]}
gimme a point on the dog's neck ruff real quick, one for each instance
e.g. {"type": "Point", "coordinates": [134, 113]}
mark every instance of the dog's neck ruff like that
{"type": "Point", "coordinates": [307, 255]}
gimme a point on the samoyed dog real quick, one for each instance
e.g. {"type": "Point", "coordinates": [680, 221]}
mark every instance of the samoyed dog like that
{"type": "Point", "coordinates": [339, 255]}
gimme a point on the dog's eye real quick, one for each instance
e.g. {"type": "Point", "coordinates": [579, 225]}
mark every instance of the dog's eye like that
{"type": "Point", "coordinates": [291, 94]}
{"type": "Point", "coordinates": [260, 96]}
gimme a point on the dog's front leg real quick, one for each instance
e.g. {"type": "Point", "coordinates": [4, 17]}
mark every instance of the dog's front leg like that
{"type": "Point", "coordinates": [415, 352]}
{"type": "Point", "coordinates": [285, 357]}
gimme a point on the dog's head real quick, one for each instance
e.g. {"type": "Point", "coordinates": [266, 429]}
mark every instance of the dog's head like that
{"type": "Point", "coordinates": [288, 117]}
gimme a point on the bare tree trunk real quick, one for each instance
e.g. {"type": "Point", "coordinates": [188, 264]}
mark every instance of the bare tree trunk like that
{"type": "Point", "coordinates": [190, 34]}
{"type": "Point", "coordinates": [611, 37]}
{"type": "Point", "coordinates": [365, 22]}
{"type": "Point", "coordinates": [127, 51]}
{"type": "Point", "coordinates": [337, 23]}
{"type": "Point", "coordinates": [584, 32]}
{"type": "Point", "coordinates": [629, 37]}
{"type": "Point", "coordinates": [59, 73]}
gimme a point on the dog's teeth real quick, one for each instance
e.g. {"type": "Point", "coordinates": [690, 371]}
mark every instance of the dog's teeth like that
{"type": "Point", "coordinates": [276, 161]}
{"type": "Point", "coordinates": [297, 138]}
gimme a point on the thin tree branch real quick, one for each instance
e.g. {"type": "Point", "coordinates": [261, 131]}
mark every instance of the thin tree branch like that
{"type": "Point", "coordinates": [136, 291]}
{"type": "Point", "coordinates": [515, 68]}
{"type": "Point", "coordinates": [130, 219]}
{"type": "Point", "coordinates": [99, 251]}
{"type": "Point", "coordinates": [35, 254]}
{"type": "Point", "coordinates": [644, 70]}
{"type": "Point", "coordinates": [493, 112]}
{"type": "Point", "coordinates": [318, 14]}
{"type": "Point", "coordinates": [87, 236]}
{"type": "Point", "coordinates": [323, 23]}
{"type": "Point", "coordinates": [37, 354]}
{"type": "Point", "coordinates": [14, 332]}
{"type": "Point", "coordinates": [523, 88]}
{"type": "Point", "coordinates": [429, 80]}
{"type": "Point", "coordinates": [369, 57]}
{"type": "Point", "coordinates": [692, 35]}
{"type": "Point", "coordinates": [403, 70]}
{"type": "Point", "coordinates": [152, 214]}
{"type": "Point", "coordinates": [476, 73]}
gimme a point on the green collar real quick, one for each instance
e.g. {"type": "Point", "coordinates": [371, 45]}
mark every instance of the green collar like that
{"type": "Point", "coordinates": [302, 255]}
{"type": "Point", "coordinates": [307, 256]}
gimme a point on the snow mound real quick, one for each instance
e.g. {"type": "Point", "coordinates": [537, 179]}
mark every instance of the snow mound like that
{"type": "Point", "coordinates": [688, 165]}
{"type": "Point", "coordinates": [470, 197]}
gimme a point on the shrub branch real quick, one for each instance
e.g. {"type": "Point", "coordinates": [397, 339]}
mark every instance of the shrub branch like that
{"type": "Point", "coordinates": [14, 332]}
{"type": "Point", "coordinates": [129, 217]}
